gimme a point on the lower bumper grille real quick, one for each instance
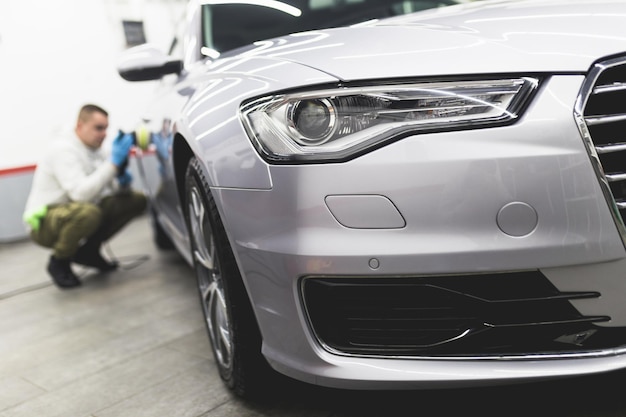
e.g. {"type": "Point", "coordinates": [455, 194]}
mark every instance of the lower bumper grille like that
{"type": "Point", "coordinates": [472, 315]}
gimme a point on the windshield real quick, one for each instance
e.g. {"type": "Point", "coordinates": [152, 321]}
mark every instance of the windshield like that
{"type": "Point", "coordinates": [231, 24]}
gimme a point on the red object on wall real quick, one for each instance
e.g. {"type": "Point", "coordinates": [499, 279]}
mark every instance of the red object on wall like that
{"type": "Point", "coordinates": [17, 170]}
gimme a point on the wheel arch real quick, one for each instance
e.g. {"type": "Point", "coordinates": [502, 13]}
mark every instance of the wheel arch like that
{"type": "Point", "coordinates": [182, 153]}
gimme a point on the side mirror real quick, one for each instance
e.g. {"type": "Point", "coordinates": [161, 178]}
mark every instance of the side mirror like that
{"type": "Point", "coordinates": [146, 62]}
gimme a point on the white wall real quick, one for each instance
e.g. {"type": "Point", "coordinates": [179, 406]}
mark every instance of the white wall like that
{"type": "Point", "coordinates": [56, 55]}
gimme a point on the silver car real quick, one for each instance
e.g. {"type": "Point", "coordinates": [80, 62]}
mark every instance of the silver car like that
{"type": "Point", "coordinates": [430, 200]}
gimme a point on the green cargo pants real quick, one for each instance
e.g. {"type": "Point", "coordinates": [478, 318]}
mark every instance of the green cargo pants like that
{"type": "Point", "coordinates": [66, 226]}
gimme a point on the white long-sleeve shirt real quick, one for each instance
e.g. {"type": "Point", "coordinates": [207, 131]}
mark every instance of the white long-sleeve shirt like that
{"type": "Point", "coordinates": [71, 171]}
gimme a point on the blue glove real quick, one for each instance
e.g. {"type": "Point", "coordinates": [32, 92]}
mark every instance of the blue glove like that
{"type": "Point", "coordinates": [125, 179]}
{"type": "Point", "coordinates": [121, 148]}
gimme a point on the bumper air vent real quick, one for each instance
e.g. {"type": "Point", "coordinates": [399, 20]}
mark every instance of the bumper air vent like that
{"type": "Point", "coordinates": [506, 314]}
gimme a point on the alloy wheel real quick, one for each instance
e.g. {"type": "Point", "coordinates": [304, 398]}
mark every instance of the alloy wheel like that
{"type": "Point", "coordinates": [210, 280]}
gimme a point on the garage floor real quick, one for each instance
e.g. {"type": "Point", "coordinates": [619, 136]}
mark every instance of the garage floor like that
{"type": "Point", "coordinates": [132, 343]}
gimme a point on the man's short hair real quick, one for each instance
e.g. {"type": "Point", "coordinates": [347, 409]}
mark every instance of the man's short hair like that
{"type": "Point", "coordinates": [88, 109]}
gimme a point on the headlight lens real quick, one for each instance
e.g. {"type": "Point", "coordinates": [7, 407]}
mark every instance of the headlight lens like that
{"type": "Point", "coordinates": [312, 121]}
{"type": "Point", "coordinates": [340, 123]}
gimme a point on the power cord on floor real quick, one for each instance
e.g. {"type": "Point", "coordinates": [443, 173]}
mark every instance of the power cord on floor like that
{"type": "Point", "coordinates": [24, 290]}
{"type": "Point", "coordinates": [126, 263]}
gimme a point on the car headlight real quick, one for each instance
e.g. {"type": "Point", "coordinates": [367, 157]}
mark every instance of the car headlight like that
{"type": "Point", "coordinates": [340, 123]}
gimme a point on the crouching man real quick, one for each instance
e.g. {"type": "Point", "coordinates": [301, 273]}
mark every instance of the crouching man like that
{"type": "Point", "coordinates": [81, 197]}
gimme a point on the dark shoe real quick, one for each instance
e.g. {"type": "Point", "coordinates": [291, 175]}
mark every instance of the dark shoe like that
{"type": "Point", "coordinates": [89, 255]}
{"type": "Point", "coordinates": [62, 274]}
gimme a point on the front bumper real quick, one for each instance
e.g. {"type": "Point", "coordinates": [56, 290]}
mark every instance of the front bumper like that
{"type": "Point", "coordinates": [518, 198]}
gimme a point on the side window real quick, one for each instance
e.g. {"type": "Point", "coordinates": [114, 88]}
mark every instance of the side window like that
{"type": "Point", "coordinates": [403, 7]}
{"type": "Point", "coordinates": [229, 26]}
{"type": "Point", "coordinates": [325, 4]}
{"type": "Point", "coordinates": [226, 26]}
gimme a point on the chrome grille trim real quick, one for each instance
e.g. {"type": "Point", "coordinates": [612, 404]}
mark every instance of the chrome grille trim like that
{"type": "Point", "coordinates": [616, 177]}
{"type": "Point", "coordinates": [605, 81]}
{"type": "Point", "coordinates": [591, 121]}
{"type": "Point", "coordinates": [613, 147]}
{"type": "Point", "coordinates": [610, 88]}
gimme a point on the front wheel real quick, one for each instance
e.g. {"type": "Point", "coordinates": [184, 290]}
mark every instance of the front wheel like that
{"type": "Point", "coordinates": [229, 319]}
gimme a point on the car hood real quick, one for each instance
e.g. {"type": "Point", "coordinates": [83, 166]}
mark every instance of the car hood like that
{"type": "Point", "coordinates": [482, 37]}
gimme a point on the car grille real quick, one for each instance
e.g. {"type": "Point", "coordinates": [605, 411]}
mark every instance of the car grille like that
{"type": "Point", "coordinates": [602, 105]}
{"type": "Point", "coordinates": [512, 314]}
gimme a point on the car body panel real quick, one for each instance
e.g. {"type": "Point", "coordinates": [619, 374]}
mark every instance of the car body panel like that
{"type": "Point", "coordinates": [518, 197]}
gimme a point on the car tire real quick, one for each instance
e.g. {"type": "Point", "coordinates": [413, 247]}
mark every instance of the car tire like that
{"type": "Point", "coordinates": [230, 321]}
{"type": "Point", "coordinates": [161, 239]}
